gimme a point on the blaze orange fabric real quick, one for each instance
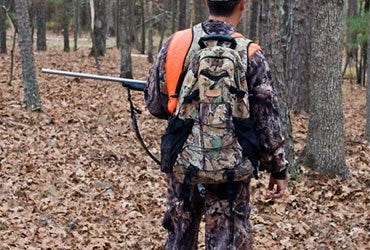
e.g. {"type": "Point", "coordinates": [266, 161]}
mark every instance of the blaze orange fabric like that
{"type": "Point", "coordinates": [176, 55]}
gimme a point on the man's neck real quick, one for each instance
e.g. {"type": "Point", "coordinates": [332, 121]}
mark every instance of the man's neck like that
{"type": "Point", "coordinates": [231, 20]}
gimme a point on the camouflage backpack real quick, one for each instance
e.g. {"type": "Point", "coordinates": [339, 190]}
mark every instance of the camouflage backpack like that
{"type": "Point", "coordinates": [211, 139]}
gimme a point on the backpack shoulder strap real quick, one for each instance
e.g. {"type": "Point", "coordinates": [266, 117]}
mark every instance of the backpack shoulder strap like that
{"type": "Point", "coordinates": [252, 47]}
{"type": "Point", "coordinates": [176, 55]}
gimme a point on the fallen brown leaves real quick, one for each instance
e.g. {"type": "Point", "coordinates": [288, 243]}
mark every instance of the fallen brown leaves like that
{"type": "Point", "coordinates": [74, 176]}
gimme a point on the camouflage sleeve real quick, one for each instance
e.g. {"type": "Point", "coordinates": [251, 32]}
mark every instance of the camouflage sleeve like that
{"type": "Point", "coordinates": [265, 111]}
{"type": "Point", "coordinates": [155, 91]}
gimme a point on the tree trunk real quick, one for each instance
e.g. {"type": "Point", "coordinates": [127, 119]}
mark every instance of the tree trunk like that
{"type": "Point", "coordinates": [99, 27]}
{"type": "Point", "coordinates": [150, 33]}
{"type": "Point", "coordinates": [182, 14]}
{"type": "Point", "coordinates": [132, 23]}
{"type": "Point", "coordinates": [244, 21]}
{"type": "Point", "coordinates": [367, 127]}
{"type": "Point", "coordinates": [2, 28]}
{"type": "Point", "coordinates": [325, 140]}
{"type": "Point", "coordinates": [270, 38]}
{"type": "Point", "coordinates": [125, 41]}
{"type": "Point", "coordinates": [298, 52]}
{"type": "Point", "coordinates": [143, 28]}
{"type": "Point", "coordinates": [65, 26]}
{"type": "Point", "coordinates": [40, 9]}
{"type": "Point", "coordinates": [201, 11]}
{"type": "Point", "coordinates": [174, 16]}
{"type": "Point", "coordinates": [111, 31]}
{"type": "Point", "coordinates": [166, 6]}
{"type": "Point", "coordinates": [76, 7]}
{"type": "Point", "coordinates": [31, 88]}
{"type": "Point", "coordinates": [253, 28]}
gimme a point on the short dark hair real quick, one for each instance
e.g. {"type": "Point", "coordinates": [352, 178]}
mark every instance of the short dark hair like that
{"type": "Point", "coordinates": [222, 8]}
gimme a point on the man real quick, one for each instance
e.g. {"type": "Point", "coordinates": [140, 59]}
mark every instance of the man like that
{"type": "Point", "coordinates": [227, 225]}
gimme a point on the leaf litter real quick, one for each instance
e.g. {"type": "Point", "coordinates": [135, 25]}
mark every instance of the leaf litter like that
{"type": "Point", "coordinates": [74, 177]}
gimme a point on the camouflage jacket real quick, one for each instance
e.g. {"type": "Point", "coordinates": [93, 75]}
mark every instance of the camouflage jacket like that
{"type": "Point", "coordinates": [264, 110]}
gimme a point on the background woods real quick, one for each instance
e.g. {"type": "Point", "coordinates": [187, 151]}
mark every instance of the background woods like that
{"type": "Point", "coordinates": [72, 174]}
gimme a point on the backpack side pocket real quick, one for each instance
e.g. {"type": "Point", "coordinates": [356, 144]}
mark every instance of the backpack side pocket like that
{"type": "Point", "coordinates": [173, 141]}
{"type": "Point", "coordinates": [248, 139]}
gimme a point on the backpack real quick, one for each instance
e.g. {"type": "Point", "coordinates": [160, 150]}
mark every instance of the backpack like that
{"type": "Point", "coordinates": [210, 138]}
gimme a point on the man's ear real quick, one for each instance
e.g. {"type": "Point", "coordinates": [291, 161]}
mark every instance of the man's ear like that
{"type": "Point", "coordinates": [206, 2]}
{"type": "Point", "coordinates": [241, 5]}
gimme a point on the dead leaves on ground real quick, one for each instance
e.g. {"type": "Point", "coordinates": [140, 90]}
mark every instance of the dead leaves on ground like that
{"type": "Point", "coordinates": [74, 176]}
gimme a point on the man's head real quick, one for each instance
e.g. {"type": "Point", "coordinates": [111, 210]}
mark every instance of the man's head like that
{"type": "Point", "coordinates": [223, 7]}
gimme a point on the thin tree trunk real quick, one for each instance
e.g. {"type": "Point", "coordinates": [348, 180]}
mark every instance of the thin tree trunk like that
{"type": "Point", "coordinates": [270, 38]}
{"type": "Point", "coordinates": [65, 26]}
{"type": "Point", "coordinates": [367, 127]}
{"type": "Point", "coordinates": [164, 18]}
{"type": "Point", "coordinates": [98, 21]}
{"type": "Point", "coordinates": [150, 33]}
{"type": "Point", "coordinates": [143, 28]}
{"type": "Point", "coordinates": [174, 16]}
{"type": "Point", "coordinates": [125, 41]}
{"type": "Point", "coordinates": [77, 7]}
{"type": "Point", "coordinates": [182, 14]}
{"type": "Point", "coordinates": [111, 31]}
{"type": "Point", "coordinates": [15, 31]}
{"type": "Point", "coordinates": [31, 88]}
{"type": "Point", "coordinates": [325, 140]}
{"type": "Point", "coordinates": [2, 27]}
{"type": "Point", "coordinates": [94, 50]}
{"type": "Point", "coordinates": [40, 8]}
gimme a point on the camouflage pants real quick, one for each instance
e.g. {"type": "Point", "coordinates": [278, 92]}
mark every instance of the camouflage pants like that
{"type": "Point", "coordinates": [226, 220]}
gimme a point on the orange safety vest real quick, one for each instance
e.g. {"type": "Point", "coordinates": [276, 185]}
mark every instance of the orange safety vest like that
{"type": "Point", "coordinates": [178, 50]}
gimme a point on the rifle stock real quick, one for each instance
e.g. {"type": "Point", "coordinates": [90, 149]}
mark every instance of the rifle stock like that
{"type": "Point", "coordinates": [132, 84]}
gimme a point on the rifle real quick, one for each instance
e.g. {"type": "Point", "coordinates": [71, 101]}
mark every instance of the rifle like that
{"type": "Point", "coordinates": [130, 84]}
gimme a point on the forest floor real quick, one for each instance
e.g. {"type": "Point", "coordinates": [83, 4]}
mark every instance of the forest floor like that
{"type": "Point", "coordinates": [74, 176]}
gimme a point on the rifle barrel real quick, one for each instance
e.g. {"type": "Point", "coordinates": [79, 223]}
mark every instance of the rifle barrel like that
{"type": "Point", "coordinates": [138, 85]}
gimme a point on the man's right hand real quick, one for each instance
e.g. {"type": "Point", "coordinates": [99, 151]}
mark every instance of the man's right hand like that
{"type": "Point", "coordinates": [276, 188]}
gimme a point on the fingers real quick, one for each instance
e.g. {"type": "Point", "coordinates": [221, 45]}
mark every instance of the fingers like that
{"type": "Point", "coordinates": [276, 195]}
{"type": "Point", "coordinates": [280, 188]}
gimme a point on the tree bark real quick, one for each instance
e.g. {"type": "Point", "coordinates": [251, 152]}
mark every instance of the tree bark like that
{"type": "Point", "coordinates": [99, 27]}
{"type": "Point", "coordinates": [2, 28]}
{"type": "Point", "coordinates": [253, 28]}
{"type": "Point", "coordinates": [40, 9]}
{"type": "Point", "coordinates": [270, 38]}
{"type": "Point", "coordinates": [125, 41]}
{"type": "Point", "coordinates": [298, 52]}
{"type": "Point", "coordinates": [65, 26]}
{"type": "Point", "coordinates": [182, 14]}
{"type": "Point", "coordinates": [111, 31]}
{"type": "Point", "coordinates": [174, 16]}
{"type": "Point", "coordinates": [150, 33]}
{"type": "Point", "coordinates": [143, 28]}
{"type": "Point", "coordinates": [201, 11]}
{"type": "Point", "coordinates": [244, 21]}
{"type": "Point", "coordinates": [77, 20]}
{"type": "Point", "coordinates": [31, 88]}
{"type": "Point", "coordinates": [367, 127]}
{"type": "Point", "coordinates": [325, 140]}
